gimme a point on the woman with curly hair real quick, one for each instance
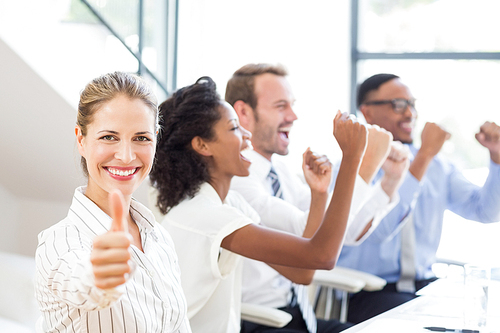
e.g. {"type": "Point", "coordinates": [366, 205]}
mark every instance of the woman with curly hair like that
{"type": "Point", "coordinates": [198, 153]}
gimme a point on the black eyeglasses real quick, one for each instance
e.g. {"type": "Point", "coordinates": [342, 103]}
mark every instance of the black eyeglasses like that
{"type": "Point", "coordinates": [399, 105]}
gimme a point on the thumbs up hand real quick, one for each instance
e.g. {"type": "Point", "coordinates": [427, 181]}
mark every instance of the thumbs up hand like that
{"type": "Point", "coordinates": [110, 254]}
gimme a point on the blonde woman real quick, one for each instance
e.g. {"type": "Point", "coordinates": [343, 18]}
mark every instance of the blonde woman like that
{"type": "Point", "coordinates": [108, 266]}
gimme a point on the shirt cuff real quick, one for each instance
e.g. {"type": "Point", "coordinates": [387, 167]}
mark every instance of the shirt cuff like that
{"type": "Point", "coordinates": [374, 210]}
{"type": "Point", "coordinates": [411, 188]}
{"type": "Point", "coordinates": [362, 191]}
{"type": "Point", "coordinates": [102, 298]}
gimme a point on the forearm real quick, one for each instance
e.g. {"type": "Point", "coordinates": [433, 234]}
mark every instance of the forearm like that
{"type": "Point", "coordinates": [367, 170]}
{"type": "Point", "coordinates": [495, 156]}
{"type": "Point", "coordinates": [296, 275]}
{"type": "Point", "coordinates": [316, 213]}
{"type": "Point", "coordinates": [420, 164]}
{"type": "Point", "coordinates": [315, 217]}
{"type": "Point", "coordinates": [327, 242]}
{"type": "Point", "coordinates": [474, 202]}
{"type": "Point", "coordinates": [319, 252]}
{"type": "Point", "coordinates": [390, 185]}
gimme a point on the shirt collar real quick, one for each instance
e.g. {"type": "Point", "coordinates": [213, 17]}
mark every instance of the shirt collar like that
{"type": "Point", "coordinates": [260, 166]}
{"type": "Point", "coordinates": [209, 192]}
{"type": "Point", "coordinates": [142, 216]}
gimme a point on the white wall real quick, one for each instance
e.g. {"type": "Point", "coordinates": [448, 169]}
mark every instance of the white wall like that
{"type": "Point", "coordinates": [9, 222]}
{"type": "Point", "coordinates": [23, 218]}
{"type": "Point", "coordinates": [310, 38]}
{"type": "Point", "coordinates": [44, 65]}
{"type": "Point", "coordinates": [40, 165]}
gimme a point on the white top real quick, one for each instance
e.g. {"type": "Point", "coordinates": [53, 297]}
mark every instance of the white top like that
{"type": "Point", "coordinates": [211, 276]}
{"type": "Point", "coordinates": [262, 284]}
{"type": "Point", "coordinates": [150, 301]}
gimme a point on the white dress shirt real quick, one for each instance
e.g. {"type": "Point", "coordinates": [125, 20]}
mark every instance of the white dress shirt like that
{"type": "Point", "coordinates": [151, 300]}
{"type": "Point", "coordinates": [211, 276]}
{"type": "Point", "coordinates": [262, 284]}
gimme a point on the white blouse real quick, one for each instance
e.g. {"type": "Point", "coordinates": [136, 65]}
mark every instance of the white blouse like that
{"type": "Point", "coordinates": [151, 300]}
{"type": "Point", "coordinates": [211, 276]}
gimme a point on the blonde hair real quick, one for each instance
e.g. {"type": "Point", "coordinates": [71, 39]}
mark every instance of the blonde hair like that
{"type": "Point", "coordinates": [105, 88]}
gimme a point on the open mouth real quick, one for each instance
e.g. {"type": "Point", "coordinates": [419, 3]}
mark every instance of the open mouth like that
{"type": "Point", "coordinates": [121, 172]}
{"type": "Point", "coordinates": [247, 145]}
{"type": "Point", "coordinates": [284, 132]}
{"type": "Point", "coordinates": [407, 126]}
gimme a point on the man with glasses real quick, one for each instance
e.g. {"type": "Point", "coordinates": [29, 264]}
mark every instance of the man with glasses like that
{"type": "Point", "coordinates": [403, 247]}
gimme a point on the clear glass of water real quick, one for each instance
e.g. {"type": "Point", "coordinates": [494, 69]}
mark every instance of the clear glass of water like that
{"type": "Point", "coordinates": [476, 283]}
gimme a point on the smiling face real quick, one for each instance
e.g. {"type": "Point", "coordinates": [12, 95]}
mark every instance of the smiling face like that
{"type": "Point", "coordinates": [401, 125]}
{"type": "Point", "coordinates": [119, 147]}
{"type": "Point", "coordinates": [225, 151]}
{"type": "Point", "coordinates": [273, 115]}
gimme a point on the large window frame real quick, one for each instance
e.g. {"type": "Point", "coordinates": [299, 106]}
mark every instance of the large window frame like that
{"type": "Point", "coordinates": [357, 55]}
{"type": "Point", "coordinates": [164, 77]}
{"type": "Point", "coordinates": [455, 228]}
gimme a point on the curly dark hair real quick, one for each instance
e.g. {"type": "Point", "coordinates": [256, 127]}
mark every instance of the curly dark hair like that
{"type": "Point", "coordinates": [179, 171]}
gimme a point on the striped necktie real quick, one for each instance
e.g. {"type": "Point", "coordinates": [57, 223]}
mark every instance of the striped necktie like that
{"type": "Point", "coordinates": [299, 292]}
{"type": "Point", "coordinates": [406, 281]}
{"type": "Point", "coordinates": [275, 183]}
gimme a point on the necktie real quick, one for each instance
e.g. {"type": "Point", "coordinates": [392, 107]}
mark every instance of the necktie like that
{"type": "Point", "coordinates": [299, 292]}
{"type": "Point", "coordinates": [275, 183]}
{"type": "Point", "coordinates": [406, 281]}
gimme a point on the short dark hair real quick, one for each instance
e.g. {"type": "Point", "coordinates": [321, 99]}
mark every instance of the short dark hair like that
{"type": "Point", "coordinates": [372, 83]}
{"type": "Point", "coordinates": [178, 170]}
{"type": "Point", "coordinates": [241, 86]}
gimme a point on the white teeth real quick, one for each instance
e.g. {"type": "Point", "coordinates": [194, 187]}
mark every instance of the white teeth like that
{"type": "Point", "coordinates": [249, 146]}
{"type": "Point", "coordinates": [121, 173]}
{"type": "Point", "coordinates": [284, 129]}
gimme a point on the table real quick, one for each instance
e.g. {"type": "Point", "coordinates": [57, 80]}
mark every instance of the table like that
{"type": "Point", "coordinates": [439, 304]}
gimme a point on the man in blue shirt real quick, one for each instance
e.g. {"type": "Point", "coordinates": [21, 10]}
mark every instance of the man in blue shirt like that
{"type": "Point", "coordinates": [431, 186]}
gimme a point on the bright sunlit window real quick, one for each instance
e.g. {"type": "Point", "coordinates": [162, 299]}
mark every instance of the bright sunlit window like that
{"type": "Point", "coordinates": [458, 94]}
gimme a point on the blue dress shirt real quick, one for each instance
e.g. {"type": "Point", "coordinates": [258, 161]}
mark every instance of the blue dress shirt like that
{"type": "Point", "coordinates": [442, 187]}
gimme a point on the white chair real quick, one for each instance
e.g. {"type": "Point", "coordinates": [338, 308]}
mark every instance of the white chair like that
{"type": "Point", "coordinates": [449, 261]}
{"type": "Point", "coordinates": [264, 315]}
{"type": "Point", "coordinates": [345, 281]}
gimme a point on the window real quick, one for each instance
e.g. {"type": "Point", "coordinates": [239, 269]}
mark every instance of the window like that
{"type": "Point", "coordinates": [445, 51]}
{"type": "Point", "coordinates": [136, 29]}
